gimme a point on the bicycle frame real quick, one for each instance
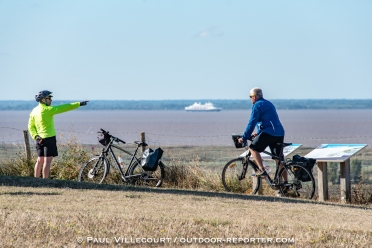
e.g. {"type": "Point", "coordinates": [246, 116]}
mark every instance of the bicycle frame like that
{"type": "Point", "coordinates": [108, 151]}
{"type": "Point", "coordinates": [128, 164]}
{"type": "Point", "coordinates": [272, 182]}
{"type": "Point", "coordinates": [291, 178]}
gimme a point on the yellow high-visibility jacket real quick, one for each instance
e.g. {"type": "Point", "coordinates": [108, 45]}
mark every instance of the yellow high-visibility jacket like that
{"type": "Point", "coordinates": [41, 121]}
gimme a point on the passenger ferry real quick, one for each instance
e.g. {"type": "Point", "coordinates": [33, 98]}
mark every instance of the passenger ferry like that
{"type": "Point", "coordinates": [198, 107]}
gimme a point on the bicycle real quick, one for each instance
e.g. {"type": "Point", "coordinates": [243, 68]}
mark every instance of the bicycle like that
{"type": "Point", "coordinates": [299, 181]}
{"type": "Point", "coordinates": [97, 168]}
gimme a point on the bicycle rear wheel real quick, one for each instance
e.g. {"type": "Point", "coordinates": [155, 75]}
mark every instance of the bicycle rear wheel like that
{"type": "Point", "coordinates": [95, 170]}
{"type": "Point", "coordinates": [235, 180]}
{"type": "Point", "coordinates": [295, 186]}
{"type": "Point", "coordinates": [140, 177]}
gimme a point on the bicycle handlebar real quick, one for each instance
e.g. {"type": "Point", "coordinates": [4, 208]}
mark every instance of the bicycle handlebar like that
{"type": "Point", "coordinates": [103, 131]}
{"type": "Point", "coordinates": [139, 143]}
{"type": "Point", "coordinates": [119, 140]}
{"type": "Point", "coordinates": [115, 138]}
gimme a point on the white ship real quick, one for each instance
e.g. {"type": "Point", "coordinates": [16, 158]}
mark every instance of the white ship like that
{"type": "Point", "coordinates": [198, 107]}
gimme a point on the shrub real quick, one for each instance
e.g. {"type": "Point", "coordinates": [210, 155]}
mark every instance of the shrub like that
{"type": "Point", "coordinates": [67, 165]}
{"type": "Point", "coordinates": [356, 168]}
{"type": "Point", "coordinates": [361, 193]}
{"type": "Point", "coordinates": [18, 166]}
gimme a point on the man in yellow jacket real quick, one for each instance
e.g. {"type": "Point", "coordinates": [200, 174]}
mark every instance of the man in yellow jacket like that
{"type": "Point", "coordinates": [41, 128]}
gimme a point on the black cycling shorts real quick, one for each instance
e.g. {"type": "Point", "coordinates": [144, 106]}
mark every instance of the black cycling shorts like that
{"type": "Point", "coordinates": [263, 140]}
{"type": "Point", "coordinates": [47, 148]}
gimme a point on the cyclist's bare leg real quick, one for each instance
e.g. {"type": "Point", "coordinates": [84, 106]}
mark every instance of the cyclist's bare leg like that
{"type": "Point", "coordinates": [38, 166]}
{"type": "Point", "coordinates": [257, 157]}
{"type": "Point", "coordinates": [46, 167]}
{"type": "Point", "coordinates": [42, 164]}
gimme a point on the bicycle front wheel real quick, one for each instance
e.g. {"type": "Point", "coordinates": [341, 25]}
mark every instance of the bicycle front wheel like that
{"type": "Point", "coordinates": [140, 177]}
{"type": "Point", "coordinates": [95, 170]}
{"type": "Point", "coordinates": [234, 179]}
{"type": "Point", "coordinates": [296, 181]}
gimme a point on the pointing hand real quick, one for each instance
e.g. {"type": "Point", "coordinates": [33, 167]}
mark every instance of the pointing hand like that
{"type": "Point", "coordinates": [83, 103]}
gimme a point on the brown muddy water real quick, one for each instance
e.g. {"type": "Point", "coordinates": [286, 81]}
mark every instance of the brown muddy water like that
{"type": "Point", "coordinates": [307, 127]}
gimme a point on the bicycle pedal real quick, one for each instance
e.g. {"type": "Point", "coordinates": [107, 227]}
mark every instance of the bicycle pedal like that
{"type": "Point", "coordinates": [259, 174]}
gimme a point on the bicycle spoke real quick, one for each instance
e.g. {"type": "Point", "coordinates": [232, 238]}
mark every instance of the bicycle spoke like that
{"type": "Point", "coordinates": [140, 177]}
{"type": "Point", "coordinates": [234, 179]}
{"type": "Point", "coordinates": [94, 171]}
{"type": "Point", "coordinates": [297, 182]}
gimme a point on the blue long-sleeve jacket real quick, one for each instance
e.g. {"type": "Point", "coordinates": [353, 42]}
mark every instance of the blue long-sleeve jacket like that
{"type": "Point", "coordinates": [264, 113]}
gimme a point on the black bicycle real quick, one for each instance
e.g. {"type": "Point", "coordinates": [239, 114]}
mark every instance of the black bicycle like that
{"type": "Point", "coordinates": [127, 164]}
{"type": "Point", "coordinates": [292, 179]}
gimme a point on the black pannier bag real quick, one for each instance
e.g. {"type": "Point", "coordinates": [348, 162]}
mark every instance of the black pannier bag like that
{"type": "Point", "coordinates": [104, 138]}
{"type": "Point", "coordinates": [235, 138]}
{"type": "Point", "coordinates": [150, 159]}
{"type": "Point", "coordinates": [308, 163]}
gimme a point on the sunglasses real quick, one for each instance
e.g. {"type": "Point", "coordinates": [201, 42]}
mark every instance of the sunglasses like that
{"type": "Point", "coordinates": [49, 98]}
{"type": "Point", "coordinates": [251, 96]}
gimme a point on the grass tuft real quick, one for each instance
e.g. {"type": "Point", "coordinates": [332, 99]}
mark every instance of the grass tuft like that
{"type": "Point", "coordinates": [191, 176]}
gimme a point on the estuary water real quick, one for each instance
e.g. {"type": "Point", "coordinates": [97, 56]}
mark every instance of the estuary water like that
{"type": "Point", "coordinates": [307, 127]}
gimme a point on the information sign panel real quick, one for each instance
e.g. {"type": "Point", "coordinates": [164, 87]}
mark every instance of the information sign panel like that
{"type": "Point", "coordinates": [335, 152]}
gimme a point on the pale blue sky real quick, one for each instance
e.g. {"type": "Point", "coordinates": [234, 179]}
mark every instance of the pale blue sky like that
{"type": "Point", "coordinates": [194, 49]}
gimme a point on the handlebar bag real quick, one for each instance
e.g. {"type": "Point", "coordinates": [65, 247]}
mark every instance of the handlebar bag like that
{"type": "Point", "coordinates": [150, 159]}
{"type": "Point", "coordinates": [235, 138]}
{"type": "Point", "coordinates": [104, 138]}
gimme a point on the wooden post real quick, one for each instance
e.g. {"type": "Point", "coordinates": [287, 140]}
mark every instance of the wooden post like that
{"type": "Point", "coordinates": [322, 181]}
{"type": "Point", "coordinates": [256, 180]}
{"type": "Point", "coordinates": [27, 145]}
{"type": "Point", "coordinates": [143, 140]}
{"type": "Point", "coordinates": [345, 185]}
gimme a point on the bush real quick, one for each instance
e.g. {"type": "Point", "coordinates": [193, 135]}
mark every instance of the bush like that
{"type": "Point", "coordinates": [361, 193]}
{"type": "Point", "coordinates": [333, 173]}
{"type": "Point", "coordinates": [18, 166]}
{"type": "Point", "coordinates": [67, 165]}
{"type": "Point", "coordinates": [356, 168]}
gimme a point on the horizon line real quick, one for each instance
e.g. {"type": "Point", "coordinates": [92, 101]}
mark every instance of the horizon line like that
{"type": "Point", "coordinates": [207, 99]}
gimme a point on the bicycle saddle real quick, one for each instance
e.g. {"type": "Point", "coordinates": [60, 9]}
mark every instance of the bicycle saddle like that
{"type": "Point", "coordinates": [140, 143]}
{"type": "Point", "coordinates": [285, 144]}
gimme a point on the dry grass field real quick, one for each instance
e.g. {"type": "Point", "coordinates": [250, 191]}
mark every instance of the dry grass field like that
{"type": "Point", "coordinates": [57, 213]}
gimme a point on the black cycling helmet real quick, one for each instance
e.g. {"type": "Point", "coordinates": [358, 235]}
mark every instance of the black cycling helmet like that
{"type": "Point", "coordinates": [42, 94]}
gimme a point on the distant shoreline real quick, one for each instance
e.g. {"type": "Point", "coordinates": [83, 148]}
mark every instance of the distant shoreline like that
{"type": "Point", "coordinates": [301, 104]}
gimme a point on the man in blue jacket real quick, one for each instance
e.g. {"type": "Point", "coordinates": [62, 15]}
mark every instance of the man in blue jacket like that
{"type": "Point", "coordinates": [269, 129]}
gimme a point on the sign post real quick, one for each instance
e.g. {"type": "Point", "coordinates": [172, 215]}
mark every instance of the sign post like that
{"type": "Point", "coordinates": [334, 153]}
